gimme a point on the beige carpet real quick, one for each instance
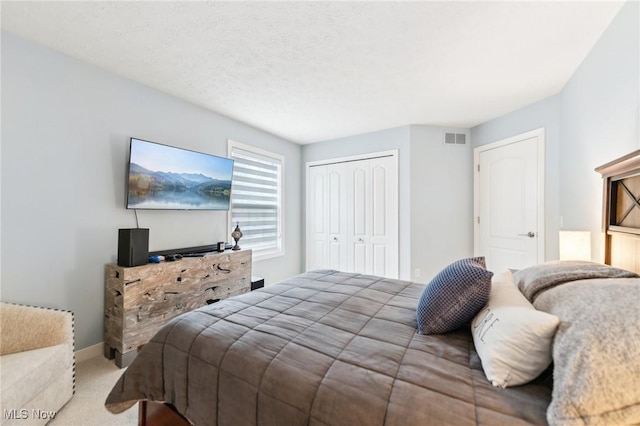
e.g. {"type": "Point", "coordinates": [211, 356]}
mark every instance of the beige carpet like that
{"type": "Point", "coordinates": [94, 379]}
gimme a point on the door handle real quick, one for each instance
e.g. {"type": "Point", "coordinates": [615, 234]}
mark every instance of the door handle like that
{"type": "Point", "coordinates": [335, 238]}
{"type": "Point", "coordinates": [528, 234]}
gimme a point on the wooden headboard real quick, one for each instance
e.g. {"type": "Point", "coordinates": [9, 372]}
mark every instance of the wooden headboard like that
{"type": "Point", "coordinates": [621, 211]}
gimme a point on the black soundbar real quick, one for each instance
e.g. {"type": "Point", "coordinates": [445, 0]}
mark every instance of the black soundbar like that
{"type": "Point", "coordinates": [189, 250]}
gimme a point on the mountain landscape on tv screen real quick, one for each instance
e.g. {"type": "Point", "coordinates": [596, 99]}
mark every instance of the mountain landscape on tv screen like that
{"type": "Point", "coordinates": [169, 190]}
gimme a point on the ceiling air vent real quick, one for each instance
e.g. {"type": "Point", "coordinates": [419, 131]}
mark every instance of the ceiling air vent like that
{"type": "Point", "coordinates": [451, 138]}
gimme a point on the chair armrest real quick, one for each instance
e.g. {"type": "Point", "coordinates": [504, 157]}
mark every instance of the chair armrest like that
{"type": "Point", "coordinates": [24, 328]}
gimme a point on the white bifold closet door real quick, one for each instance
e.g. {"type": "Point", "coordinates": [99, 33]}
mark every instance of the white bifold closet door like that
{"type": "Point", "coordinates": [353, 216]}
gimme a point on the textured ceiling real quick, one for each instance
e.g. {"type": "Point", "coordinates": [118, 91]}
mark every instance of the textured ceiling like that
{"type": "Point", "coordinates": [310, 71]}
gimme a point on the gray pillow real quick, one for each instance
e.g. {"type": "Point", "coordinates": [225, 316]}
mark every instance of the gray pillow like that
{"type": "Point", "coordinates": [454, 296]}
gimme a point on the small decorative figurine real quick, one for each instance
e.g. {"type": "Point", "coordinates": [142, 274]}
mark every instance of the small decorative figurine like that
{"type": "Point", "coordinates": [236, 235]}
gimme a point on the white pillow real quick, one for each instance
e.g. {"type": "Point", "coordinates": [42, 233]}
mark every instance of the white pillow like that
{"type": "Point", "coordinates": [512, 338]}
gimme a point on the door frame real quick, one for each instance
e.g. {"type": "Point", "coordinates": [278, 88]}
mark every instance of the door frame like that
{"type": "Point", "coordinates": [540, 203]}
{"type": "Point", "coordinates": [367, 156]}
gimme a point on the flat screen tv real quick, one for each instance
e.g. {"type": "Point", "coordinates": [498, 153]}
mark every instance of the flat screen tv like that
{"type": "Point", "coordinates": [162, 177]}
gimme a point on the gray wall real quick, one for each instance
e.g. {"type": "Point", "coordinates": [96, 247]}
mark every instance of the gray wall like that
{"type": "Point", "coordinates": [599, 116]}
{"type": "Point", "coordinates": [435, 193]}
{"type": "Point", "coordinates": [593, 120]}
{"type": "Point", "coordinates": [384, 140]}
{"type": "Point", "coordinates": [441, 201]}
{"type": "Point", "coordinates": [545, 113]}
{"type": "Point", "coordinates": [65, 134]}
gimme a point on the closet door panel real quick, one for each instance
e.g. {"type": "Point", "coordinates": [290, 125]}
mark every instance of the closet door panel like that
{"type": "Point", "coordinates": [379, 200]}
{"type": "Point", "coordinates": [318, 222]}
{"type": "Point", "coordinates": [335, 256]}
{"type": "Point", "coordinates": [360, 197]}
{"type": "Point", "coordinates": [360, 259]}
{"type": "Point", "coordinates": [337, 216]}
{"type": "Point", "coordinates": [318, 255]}
{"type": "Point", "coordinates": [318, 235]}
{"type": "Point", "coordinates": [384, 216]}
{"type": "Point", "coordinates": [335, 202]}
{"type": "Point", "coordinates": [359, 219]}
{"type": "Point", "coordinates": [380, 256]}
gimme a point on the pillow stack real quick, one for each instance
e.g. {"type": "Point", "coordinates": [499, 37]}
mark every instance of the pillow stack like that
{"type": "Point", "coordinates": [511, 337]}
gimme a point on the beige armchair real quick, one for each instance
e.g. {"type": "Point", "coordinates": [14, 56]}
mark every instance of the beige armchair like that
{"type": "Point", "coordinates": [37, 364]}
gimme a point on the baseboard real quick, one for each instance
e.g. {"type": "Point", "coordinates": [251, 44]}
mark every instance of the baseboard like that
{"type": "Point", "coordinates": [90, 352]}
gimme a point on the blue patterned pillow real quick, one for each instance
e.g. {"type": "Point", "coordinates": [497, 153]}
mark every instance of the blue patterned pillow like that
{"type": "Point", "coordinates": [454, 296]}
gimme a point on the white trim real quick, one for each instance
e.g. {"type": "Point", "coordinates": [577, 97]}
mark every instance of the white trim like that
{"type": "Point", "coordinates": [90, 352]}
{"type": "Point", "coordinates": [235, 144]}
{"type": "Point", "coordinates": [390, 153]}
{"type": "Point", "coordinates": [264, 255]}
{"type": "Point", "coordinates": [540, 134]}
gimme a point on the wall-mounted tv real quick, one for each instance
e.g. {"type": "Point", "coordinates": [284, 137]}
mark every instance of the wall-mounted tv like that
{"type": "Point", "coordinates": [163, 177]}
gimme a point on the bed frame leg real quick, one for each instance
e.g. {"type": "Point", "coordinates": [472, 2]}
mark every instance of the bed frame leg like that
{"type": "Point", "coordinates": [152, 413]}
{"type": "Point", "coordinates": [142, 413]}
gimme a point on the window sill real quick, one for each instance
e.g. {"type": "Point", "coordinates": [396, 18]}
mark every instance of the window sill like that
{"type": "Point", "coordinates": [259, 256]}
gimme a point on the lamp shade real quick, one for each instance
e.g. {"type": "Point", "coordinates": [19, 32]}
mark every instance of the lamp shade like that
{"type": "Point", "coordinates": [575, 245]}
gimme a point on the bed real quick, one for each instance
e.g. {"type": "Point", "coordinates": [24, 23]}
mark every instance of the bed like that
{"type": "Point", "coordinates": [334, 348]}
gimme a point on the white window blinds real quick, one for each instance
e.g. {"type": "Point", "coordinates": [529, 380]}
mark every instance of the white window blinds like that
{"type": "Point", "coordinates": [256, 199]}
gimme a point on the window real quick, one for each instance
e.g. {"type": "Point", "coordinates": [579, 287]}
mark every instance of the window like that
{"type": "Point", "coordinates": [257, 199]}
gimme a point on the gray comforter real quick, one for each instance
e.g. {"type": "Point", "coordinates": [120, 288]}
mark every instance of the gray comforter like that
{"type": "Point", "coordinates": [323, 348]}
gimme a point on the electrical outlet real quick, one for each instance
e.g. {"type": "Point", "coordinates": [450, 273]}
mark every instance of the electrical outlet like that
{"type": "Point", "coordinates": [416, 273]}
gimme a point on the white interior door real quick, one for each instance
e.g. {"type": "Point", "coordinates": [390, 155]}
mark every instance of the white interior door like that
{"type": "Point", "coordinates": [372, 223]}
{"type": "Point", "coordinates": [352, 216]}
{"type": "Point", "coordinates": [509, 202]}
